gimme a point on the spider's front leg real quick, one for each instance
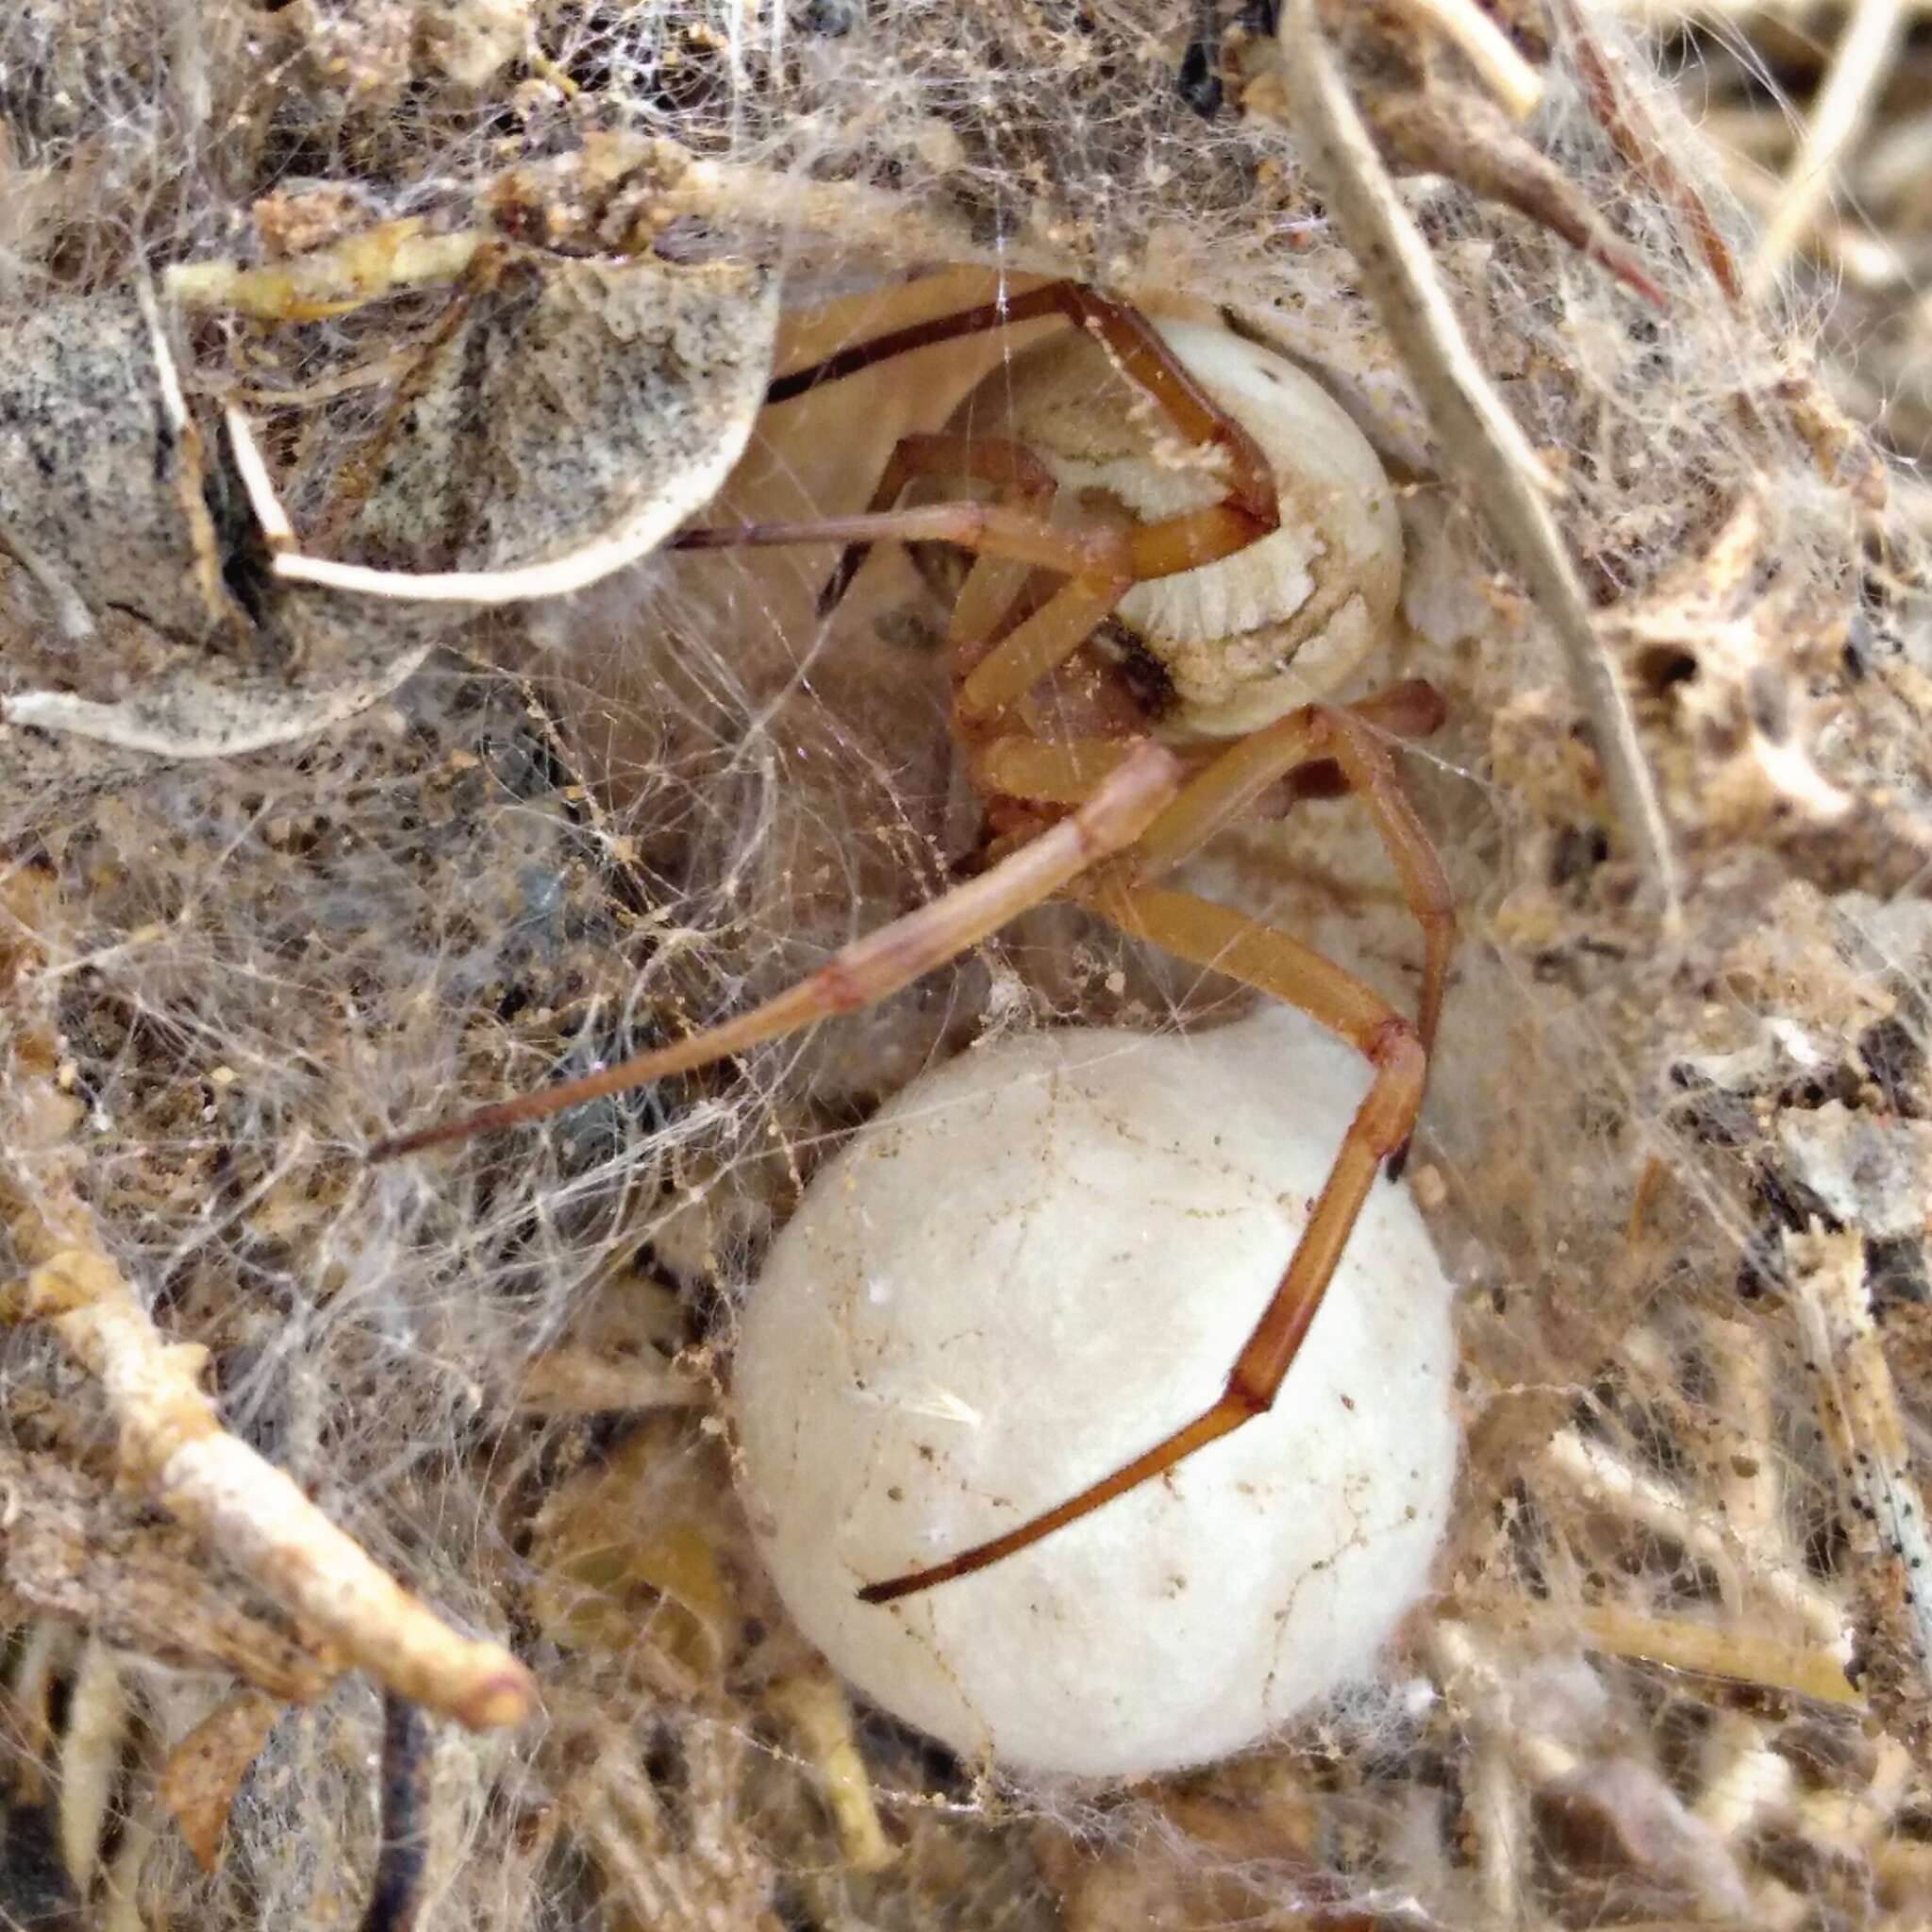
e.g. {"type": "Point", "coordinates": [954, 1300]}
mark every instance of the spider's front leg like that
{"type": "Point", "coordinates": [1131, 798]}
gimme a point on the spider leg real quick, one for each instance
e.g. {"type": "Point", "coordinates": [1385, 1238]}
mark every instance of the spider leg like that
{"type": "Point", "coordinates": [1010, 466]}
{"type": "Point", "coordinates": [1065, 771]}
{"type": "Point", "coordinates": [1029, 305]}
{"type": "Point", "coordinates": [1100, 559]}
{"type": "Point", "coordinates": [1247, 768]}
{"type": "Point", "coordinates": [1095, 558]}
{"type": "Point", "coordinates": [1144, 358]}
{"type": "Point", "coordinates": [1271, 960]}
{"type": "Point", "coordinates": [1229, 787]}
{"type": "Point", "coordinates": [1140, 352]}
{"type": "Point", "coordinates": [882, 961]}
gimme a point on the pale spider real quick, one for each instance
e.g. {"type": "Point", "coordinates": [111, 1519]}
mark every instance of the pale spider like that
{"type": "Point", "coordinates": [1087, 793]}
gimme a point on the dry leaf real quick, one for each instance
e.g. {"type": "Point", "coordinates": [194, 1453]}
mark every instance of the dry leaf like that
{"type": "Point", "coordinates": [205, 1770]}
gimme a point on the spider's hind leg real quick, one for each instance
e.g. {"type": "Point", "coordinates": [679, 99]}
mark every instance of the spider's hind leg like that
{"type": "Point", "coordinates": [1273, 962]}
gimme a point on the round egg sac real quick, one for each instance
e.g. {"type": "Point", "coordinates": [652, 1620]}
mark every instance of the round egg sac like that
{"type": "Point", "coordinates": [1032, 1265]}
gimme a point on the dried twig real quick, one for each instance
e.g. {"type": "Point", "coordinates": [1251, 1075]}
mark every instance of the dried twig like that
{"type": "Point", "coordinates": [74, 1551]}
{"type": "Point", "coordinates": [1838, 117]}
{"type": "Point", "coordinates": [814, 1705]}
{"type": "Point", "coordinates": [1602, 1478]}
{"type": "Point", "coordinates": [1471, 425]}
{"type": "Point", "coordinates": [1628, 124]}
{"type": "Point", "coordinates": [1679, 1645]}
{"type": "Point", "coordinates": [173, 1445]}
{"type": "Point", "coordinates": [1514, 82]}
{"type": "Point", "coordinates": [335, 280]}
{"type": "Point", "coordinates": [396, 1895]}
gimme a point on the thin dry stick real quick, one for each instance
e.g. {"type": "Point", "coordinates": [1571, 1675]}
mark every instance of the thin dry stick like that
{"type": "Point", "coordinates": [93, 1740]}
{"type": "Point", "coordinates": [1663, 15]}
{"type": "Point", "coordinates": [1475, 1676]}
{"type": "Point", "coordinates": [174, 1446]}
{"type": "Point", "coordinates": [1591, 1471]}
{"type": "Point", "coordinates": [1744, 1776]}
{"type": "Point", "coordinates": [813, 1704]}
{"type": "Point", "coordinates": [1678, 1644]}
{"type": "Point", "coordinates": [1627, 121]}
{"type": "Point", "coordinates": [397, 1895]}
{"type": "Point", "coordinates": [1838, 117]}
{"type": "Point", "coordinates": [571, 1379]}
{"type": "Point", "coordinates": [1472, 426]}
{"type": "Point", "coordinates": [338, 278]}
{"type": "Point", "coordinates": [1517, 86]}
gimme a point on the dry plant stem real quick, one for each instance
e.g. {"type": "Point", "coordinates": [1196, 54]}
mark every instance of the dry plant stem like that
{"type": "Point", "coordinates": [1497, 1807]}
{"type": "Point", "coordinates": [1864, 1426]}
{"type": "Point", "coordinates": [1838, 117]}
{"type": "Point", "coordinates": [1665, 15]}
{"type": "Point", "coordinates": [173, 1444]}
{"type": "Point", "coordinates": [1610, 1483]}
{"type": "Point", "coordinates": [573, 1380]}
{"type": "Point", "coordinates": [658, 1871]}
{"type": "Point", "coordinates": [813, 1704]}
{"type": "Point", "coordinates": [1679, 1645]}
{"type": "Point", "coordinates": [336, 280]}
{"type": "Point", "coordinates": [1497, 1804]}
{"type": "Point", "coordinates": [1513, 81]}
{"type": "Point", "coordinates": [397, 1895]}
{"type": "Point", "coordinates": [1516, 1759]}
{"type": "Point", "coordinates": [1637, 139]}
{"type": "Point", "coordinates": [1472, 426]}
{"type": "Point", "coordinates": [348, 274]}
{"type": "Point", "coordinates": [71, 1551]}
{"type": "Point", "coordinates": [92, 1740]}
{"type": "Point", "coordinates": [120, 1889]}
{"type": "Point", "coordinates": [31, 1704]}
{"type": "Point", "coordinates": [878, 224]}
{"type": "Point", "coordinates": [881, 962]}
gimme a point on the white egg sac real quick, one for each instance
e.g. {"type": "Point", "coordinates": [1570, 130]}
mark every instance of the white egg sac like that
{"type": "Point", "coordinates": [1033, 1264]}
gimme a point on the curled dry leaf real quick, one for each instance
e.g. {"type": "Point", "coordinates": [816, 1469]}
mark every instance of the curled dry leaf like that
{"type": "Point", "coordinates": [566, 417]}
{"type": "Point", "coordinates": [106, 488]}
{"type": "Point", "coordinates": [575, 415]}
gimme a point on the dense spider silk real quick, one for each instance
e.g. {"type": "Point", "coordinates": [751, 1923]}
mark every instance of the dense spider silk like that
{"type": "Point", "coordinates": [248, 968]}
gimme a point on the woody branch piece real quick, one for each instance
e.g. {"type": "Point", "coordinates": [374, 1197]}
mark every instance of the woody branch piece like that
{"type": "Point", "coordinates": [174, 1449]}
{"type": "Point", "coordinates": [1468, 417]}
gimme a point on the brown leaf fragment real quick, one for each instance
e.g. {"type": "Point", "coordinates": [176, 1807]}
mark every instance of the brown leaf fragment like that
{"type": "Point", "coordinates": [205, 1770]}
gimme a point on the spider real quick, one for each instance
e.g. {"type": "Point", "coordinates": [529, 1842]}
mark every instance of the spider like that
{"type": "Point", "coordinates": [1100, 772]}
